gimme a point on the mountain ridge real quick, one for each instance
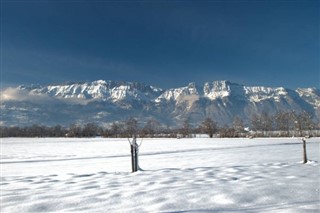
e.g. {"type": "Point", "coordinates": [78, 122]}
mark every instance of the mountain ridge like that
{"type": "Point", "coordinates": [104, 102]}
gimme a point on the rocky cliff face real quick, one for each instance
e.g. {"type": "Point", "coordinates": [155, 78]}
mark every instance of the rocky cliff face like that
{"type": "Point", "coordinates": [106, 101]}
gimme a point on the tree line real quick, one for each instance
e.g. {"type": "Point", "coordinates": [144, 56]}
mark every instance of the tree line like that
{"type": "Point", "coordinates": [281, 124]}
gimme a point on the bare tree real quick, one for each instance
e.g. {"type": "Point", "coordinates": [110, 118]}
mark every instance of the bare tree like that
{"type": "Point", "coordinates": [255, 122]}
{"type": "Point", "coordinates": [282, 122]}
{"type": "Point", "coordinates": [74, 131]}
{"type": "Point", "coordinates": [117, 129]}
{"type": "Point", "coordinates": [208, 126]}
{"type": "Point", "coordinates": [132, 128]}
{"type": "Point", "coordinates": [36, 131]}
{"type": "Point", "coordinates": [186, 128]}
{"type": "Point", "coordinates": [152, 127]}
{"type": "Point", "coordinates": [266, 123]}
{"type": "Point", "coordinates": [306, 122]}
{"type": "Point", "coordinates": [90, 130]}
{"type": "Point", "coordinates": [238, 125]}
{"type": "Point", "coordinates": [262, 122]}
{"type": "Point", "coordinates": [227, 132]}
{"type": "Point", "coordinates": [58, 131]}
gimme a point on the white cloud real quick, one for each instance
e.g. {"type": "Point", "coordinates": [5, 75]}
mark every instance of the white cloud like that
{"type": "Point", "coordinates": [16, 94]}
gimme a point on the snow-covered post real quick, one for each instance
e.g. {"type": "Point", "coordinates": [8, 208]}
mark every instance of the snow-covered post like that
{"type": "Point", "coordinates": [305, 159]}
{"type": "Point", "coordinates": [133, 130]}
{"type": "Point", "coordinates": [134, 154]}
{"type": "Point", "coordinates": [304, 145]}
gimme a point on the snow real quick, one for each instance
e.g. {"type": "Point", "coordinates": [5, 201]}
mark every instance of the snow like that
{"type": "Point", "coordinates": [179, 175]}
{"type": "Point", "coordinates": [217, 89]}
{"type": "Point", "coordinates": [257, 94]}
{"type": "Point", "coordinates": [178, 94]}
{"type": "Point", "coordinates": [310, 95]}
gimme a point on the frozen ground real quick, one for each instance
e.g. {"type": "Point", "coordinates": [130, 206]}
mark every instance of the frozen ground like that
{"type": "Point", "coordinates": [179, 175]}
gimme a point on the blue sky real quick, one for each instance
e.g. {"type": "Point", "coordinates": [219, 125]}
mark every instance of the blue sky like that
{"type": "Point", "coordinates": [162, 43]}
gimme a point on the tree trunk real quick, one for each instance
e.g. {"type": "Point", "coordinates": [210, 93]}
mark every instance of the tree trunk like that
{"type": "Point", "coordinates": [132, 158]}
{"type": "Point", "coordinates": [134, 154]}
{"type": "Point", "coordinates": [136, 159]}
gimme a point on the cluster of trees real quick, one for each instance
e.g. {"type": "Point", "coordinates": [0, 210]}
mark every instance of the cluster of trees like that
{"type": "Point", "coordinates": [88, 130]}
{"type": "Point", "coordinates": [281, 124]}
{"type": "Point", "coordinates": [33, 131]}
{"type": "Point", "coordinates": [286, 124]}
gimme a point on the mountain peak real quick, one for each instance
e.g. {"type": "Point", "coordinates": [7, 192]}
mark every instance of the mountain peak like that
{"type": "Point", "coordinates": [99, 82]}
{"type": "Point", "coordinates": [192, 85]}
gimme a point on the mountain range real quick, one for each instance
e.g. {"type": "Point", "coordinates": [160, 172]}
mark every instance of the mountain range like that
{"type": "Point", "coordinates": [104, 102]}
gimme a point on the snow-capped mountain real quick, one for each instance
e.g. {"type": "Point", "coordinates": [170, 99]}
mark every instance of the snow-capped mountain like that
{"type": "Point", "coordinates": [106, 101]}
{"type": "Point", "coordinates": [103, 90]}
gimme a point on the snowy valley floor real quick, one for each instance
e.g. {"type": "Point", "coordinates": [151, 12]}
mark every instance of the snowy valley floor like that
{"type": "Point", "coordinates": [179, 175]}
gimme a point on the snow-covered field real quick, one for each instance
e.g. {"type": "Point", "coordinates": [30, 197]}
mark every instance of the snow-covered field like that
{"type": "Point", "coordinates": [179, 175]}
